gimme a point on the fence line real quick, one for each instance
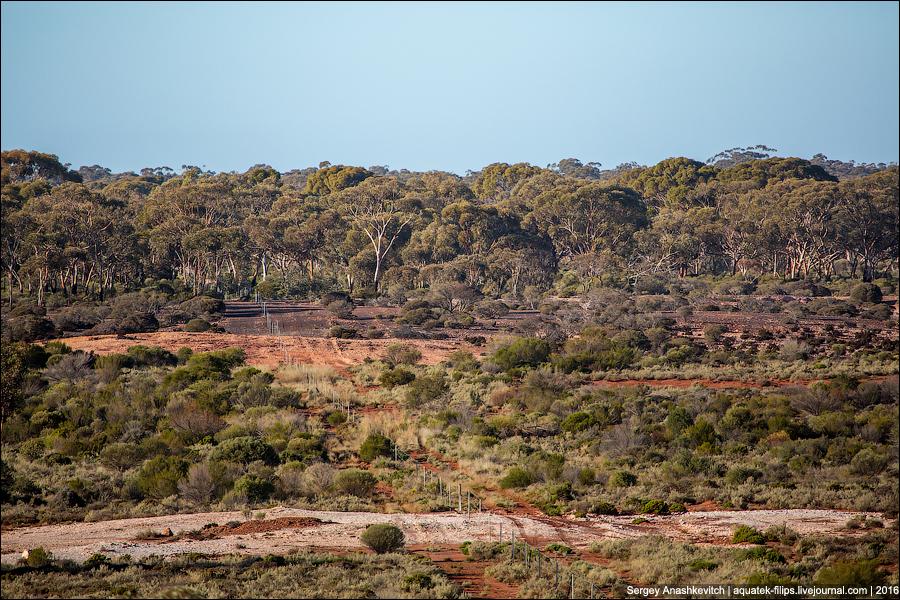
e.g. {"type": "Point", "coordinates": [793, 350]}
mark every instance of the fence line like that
{"type": "Point", "coordinates": [532, 557]}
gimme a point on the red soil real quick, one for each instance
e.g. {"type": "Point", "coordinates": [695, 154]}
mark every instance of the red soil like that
{"type": "Point", "coordinates": [469, 574]}
{"type": "Point", "coordinates": [248, 527]}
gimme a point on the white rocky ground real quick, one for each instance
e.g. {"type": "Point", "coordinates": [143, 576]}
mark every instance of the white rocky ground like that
{"type": "Point", "coordinates": [341, 530]}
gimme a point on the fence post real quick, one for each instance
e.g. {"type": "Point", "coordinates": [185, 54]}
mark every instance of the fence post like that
{"type": "Point", "coordinates": [501, 532]}
{"type": "Point", "coordinates": [572, 589]}
{"type": "Point", "coordinates": [468, 503]}
{"type": "Point", "coordinates": [556, 577]}
{"type": "Point", "coordinates": [592, 590]}
{"type": "Point", "coordinates": [512, 545]}
{"type": "Point", "coordinates": [459, 496]}
{"type": "Point", "coordinates": [540, 559]}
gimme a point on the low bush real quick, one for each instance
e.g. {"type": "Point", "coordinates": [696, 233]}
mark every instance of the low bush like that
{"type": "Point", "coordinates": [245, 450]}
{"type": "Point", "coordinates": [375, 445]}
{"type": "Point", "coordinates": [849, 572]}
{"type": "Point", "coordinates": [342, 309]}
{"type": "Point", "coordinates": [38, 557]}
{"type": "Point", "coordinates": [341, 332]}
{"type": "Point", "coordinates": [622, 479]}
{"type": "Point", "coordinates": [745, 534]}
{"type": "Point", "coordinates": [516, 477]}
{"type": "Point", "coordinates": [425, 389]}
{"type": "Point", "coordinates": [395, 377]}
{"type": "Point", "coordinates": [197, 325]}
{"type": "Point", "coordinates": [253, 488]}
{"type": "Point", "coordinates": [401, 354]}
{"type": "Point", "coordinates": [655, 507]}
{"type": "Point", "coordinates": [383, 537]}
{"type": "Point", "coordinates": [355, 482]}
{"type": "Point", "coordinates": [866, 292]}
{"type": "Point", "coordinates": [523, 352]}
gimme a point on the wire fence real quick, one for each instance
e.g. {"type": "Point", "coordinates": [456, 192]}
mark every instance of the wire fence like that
{"type": "Point", "coordinates": [273, 327]}
{"type": "Point", "coordinates": [453, 496]}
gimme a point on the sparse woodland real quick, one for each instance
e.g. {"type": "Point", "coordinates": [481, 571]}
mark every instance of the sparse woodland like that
{"type": "Point", "coordinates": [499, 231]}
{"type": "Point", "coordinates": [558, 284]}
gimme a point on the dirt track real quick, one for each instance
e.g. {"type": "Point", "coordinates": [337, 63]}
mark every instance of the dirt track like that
{"type": "Point", "coordinates": [294, 529]}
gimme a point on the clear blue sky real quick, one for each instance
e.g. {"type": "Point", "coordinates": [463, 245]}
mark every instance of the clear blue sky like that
{"type": "Point", "coordinates": [445, 86]}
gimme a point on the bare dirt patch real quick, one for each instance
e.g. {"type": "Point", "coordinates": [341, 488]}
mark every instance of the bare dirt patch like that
{"type": "Point", "coordinates": [268, 351]}
{"type": "Point", "coordinates": [249, 527]}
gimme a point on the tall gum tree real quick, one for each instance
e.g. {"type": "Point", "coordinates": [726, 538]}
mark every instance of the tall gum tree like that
{"type": "Point", "coordinates": [376, 208]}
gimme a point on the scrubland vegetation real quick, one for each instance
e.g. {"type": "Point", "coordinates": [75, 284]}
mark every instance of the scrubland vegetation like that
{"type": "Point", "coordinates": [300, 575]}
{"type": "Point", "coordinates": [773, 277]}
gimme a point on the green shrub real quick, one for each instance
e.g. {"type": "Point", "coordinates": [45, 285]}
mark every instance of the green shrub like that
{"type": "Point", "coordinates": [341, 332]}
{"type": "Point", "coordinates": [253, 488]}
{"type": "Point", "coordinates": [622, 479]}
{"type": "Point", "coordinates": [516, 477]}
{"type": "Point", "coordinates": [96, 560]}
{"type": "Point", "coordinates": [28, 328]}
{"type": "Point", "coordinates": [425, 389]}
{"type": "Point", "coordinates": [33, 448]}
{"type": "Point", "coordinates": [336, 296]}
{"type": "Point", "coordinates": [745, 534]}
{"type": "Point", "coordinates": [200, 305]}
{"type": "Point", "coordinates": [738, 475]}
{"type": "Point", "coordinates": [701, 564]}
{"type": "Point", "coordinates": [401, 354]}
{"type": "Point", "coordinates": [587, 476]}
{"type": "Point", "coordinates": [245, 450]}
{"type": "Point", "coordinates": [655, 507]}
{"type": "Point", "coordinates": [491, 309]}
{"type": "Point", "coordinates": [121, 455]}
{"type": "Point", "coordinates": [418, 581]}
{"type": "Point", "coordinates": [57, 347]}
{"type": "Point", "coordinates": [867, 462]}
{"type": "Point", "coordinates": [866, 292]}
{"type": "Point", "coordinates": [375, 445]}
{"type": "Point", "coordinates": [700, 433]}
{"type": "Point", "coordinates": [38, 557]}
{"type": "Point", "coordinates": [714, 333]}
{"type": "Point", "coordinates": [197, 325]}
{"type": "Point", "coordinates": [578, 421]}
{"type": "Point", "coordinates": [336, 418]}
{"type": "Point", "coordinates": [305, 448]}
{"type": "Point", "coordinates": [383, 537]}
{"type": "Point", "coordinates": [158, 477]}
{"type": "Point", "coordinates": [765, 554]}
{"type": "Point", "coordinates": [604, 508]}
{"type": "Point", "coordinates": [355, 482]}
{"type": "Point", "coordinates": [557, 548]}
{"type": "Point", "coordinates": [394, 377]}
{"type": "Point", "coordinates": [843, 573]}
{"type": "Point", "coordinates": [523, 352]}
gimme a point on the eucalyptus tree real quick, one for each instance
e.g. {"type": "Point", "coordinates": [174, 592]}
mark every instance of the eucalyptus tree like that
{"type": "Point", "coordinates": [377, 208]}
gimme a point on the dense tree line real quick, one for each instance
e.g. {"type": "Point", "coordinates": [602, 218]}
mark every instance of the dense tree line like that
{"type": "Point", "coordinates": [499, 230]}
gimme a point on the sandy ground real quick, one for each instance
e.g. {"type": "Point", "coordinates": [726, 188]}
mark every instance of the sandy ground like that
{"type": "Point", "coordinates": [269, 350]}
{"type": "Point", "coordinates": [77, 541]}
